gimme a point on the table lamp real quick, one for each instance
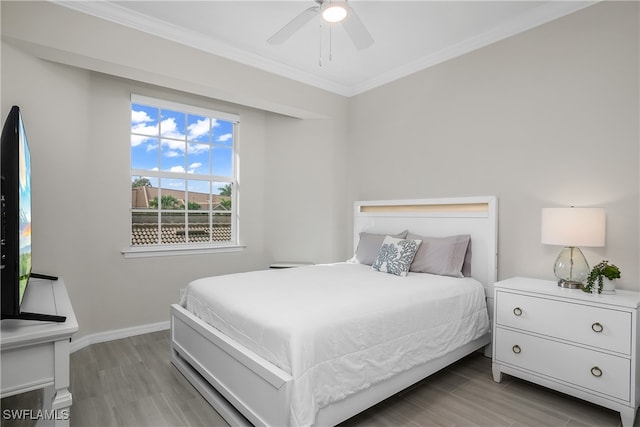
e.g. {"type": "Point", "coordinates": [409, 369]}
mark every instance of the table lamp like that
{"type": "Point", "coordinates": [572, 227]}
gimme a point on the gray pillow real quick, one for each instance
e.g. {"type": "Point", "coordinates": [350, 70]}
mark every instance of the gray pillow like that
{"type": "Point", "coordinates": [440, 255]}
{"type": "Point", "coordinates": [369, 245]}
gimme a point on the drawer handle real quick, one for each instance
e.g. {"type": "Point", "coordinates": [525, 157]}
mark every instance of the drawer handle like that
{"type": "Point", "coordinates": [597, 327]}
{"type": "Point", "coordinates": [517, 350]}
{"type": "Point", "coordinates": [517, 311]}
{"type": "Point", "coordinates": [596, 372]}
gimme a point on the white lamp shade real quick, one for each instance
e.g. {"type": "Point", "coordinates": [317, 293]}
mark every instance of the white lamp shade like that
{"type": "Point", "coordinates": [573, 226]}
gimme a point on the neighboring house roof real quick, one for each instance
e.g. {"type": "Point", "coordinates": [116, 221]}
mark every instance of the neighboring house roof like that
{"type": "Point", "coordinates": [141, 196]}
{"type": "Point", "coordinates": [147, 234]}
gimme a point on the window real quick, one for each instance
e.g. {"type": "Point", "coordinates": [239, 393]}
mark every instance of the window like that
{"type": "Point", "coordinates": [183, 176]}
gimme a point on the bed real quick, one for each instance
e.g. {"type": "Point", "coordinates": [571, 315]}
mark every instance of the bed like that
{"type": "Point", "coordinates": [298, 353]}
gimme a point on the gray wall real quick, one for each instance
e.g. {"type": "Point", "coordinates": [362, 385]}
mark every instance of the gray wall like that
{"type": "Point", "coordinates": [77, 113]}
{"type": "Point", "coordinates": [546, 118]}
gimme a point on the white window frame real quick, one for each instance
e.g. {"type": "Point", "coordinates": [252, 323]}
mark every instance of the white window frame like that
{"type": "Point", "coordinates": [159, 249]}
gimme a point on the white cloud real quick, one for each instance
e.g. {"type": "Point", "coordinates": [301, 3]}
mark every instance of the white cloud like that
{"type": "Point", "coordinates": [139, 120]}
{"type": "Point", "coordinates": [194, 148]}
{"type": "Point", "coordinates": [225, 137]}
{"type": "Point", "coordinates": [140, 117]}
{"type": "Point", "coordinates": [169, 129]}
{"type": "Point", "coordinates": [179, 169]}
{"type": "Point", "coordinates": [198, 129]}
{"type": "Point", "coordinates": [193, 167]}
{"type": "Point", "coordinates": [139, 139]}
{"type": "Point", "coordinates": [169, 145]}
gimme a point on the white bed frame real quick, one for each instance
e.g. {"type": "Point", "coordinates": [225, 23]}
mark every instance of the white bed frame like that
{"type": "Point", "coordinates": [246, 389]}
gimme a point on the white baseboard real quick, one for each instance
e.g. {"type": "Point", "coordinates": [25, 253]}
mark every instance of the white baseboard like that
{"type": "Point", "coordinates": [80, 343]}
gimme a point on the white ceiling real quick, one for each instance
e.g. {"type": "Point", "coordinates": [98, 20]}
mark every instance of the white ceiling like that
{"type": "Point", "coordinates": [409, 35]}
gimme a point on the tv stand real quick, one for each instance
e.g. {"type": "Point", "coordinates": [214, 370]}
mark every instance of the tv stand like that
{"type": "Point", "coordinates": [36, 355]}
{"type": "Point", "coordinates": [40, 317]}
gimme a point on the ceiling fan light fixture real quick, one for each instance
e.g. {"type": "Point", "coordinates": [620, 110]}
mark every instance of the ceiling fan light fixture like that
{"type": "Point", "coordinates": [334, 11]}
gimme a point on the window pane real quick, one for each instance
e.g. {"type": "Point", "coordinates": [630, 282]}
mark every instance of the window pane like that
{"type": "Point", "coordinates": [198, 128]}
{"type": "Point", "coordinates": [198, 193]}
{"type": "Point", "coordinates": [144, 228]}
{"type": "Point", "coordinates": [144, 152]}
{"type": "Point", "coordinates": [143, 189]}
{"type": "Point", "coordinates": [144, 120]}
{"type": "Point", "coordinates": [198, 158]}
{"type": "Point", "coordinates": [172, 194]}
{"type": "Point", "coordinates": [222, 161]}
{"type": "Point", "coordinates": [221, 199]}
{"type": "Point", "coordinates": [222, 133]}
{"type": "Point", "coordinates": [172, 124]}
{"type": "Point", "coordinates": [199, 230]}
{"type": "Point", "coordinates": [173, 227]}
{"type": "Point", "coordinates": [173, 159]}
{"type": "Point", "coordinates": [167, 145]}
{"type": "Point", "coordinates": [221, 227]}
{"type": "Point", "coordinates": [221, 221]}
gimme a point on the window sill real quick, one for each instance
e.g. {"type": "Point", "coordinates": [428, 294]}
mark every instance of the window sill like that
{"type": "Point", "coordinates": [158, 251]}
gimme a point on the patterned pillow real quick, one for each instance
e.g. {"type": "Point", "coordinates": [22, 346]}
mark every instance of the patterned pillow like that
{"type": "Point", "coordinates": [396, 255]}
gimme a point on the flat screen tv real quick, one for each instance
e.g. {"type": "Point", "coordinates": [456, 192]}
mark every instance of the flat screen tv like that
{"type": "Point", "coordinates": [15, 201]}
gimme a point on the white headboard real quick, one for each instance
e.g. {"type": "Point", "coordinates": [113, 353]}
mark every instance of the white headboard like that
{"type": "Point", "coordinates": [476, 216]}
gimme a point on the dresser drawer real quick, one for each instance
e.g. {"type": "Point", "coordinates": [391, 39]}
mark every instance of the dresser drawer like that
{"type": "Point", "coordinates": [574, 365]}
{"type": "Point", "coordinates": [593, 326]}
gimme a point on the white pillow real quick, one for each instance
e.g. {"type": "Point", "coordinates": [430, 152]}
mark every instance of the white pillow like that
{"type": "Point", "coordinates": [395, 255]}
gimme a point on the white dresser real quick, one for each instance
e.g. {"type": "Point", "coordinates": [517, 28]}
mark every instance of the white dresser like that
{"type": "Point", "coordinates": [577, 343]}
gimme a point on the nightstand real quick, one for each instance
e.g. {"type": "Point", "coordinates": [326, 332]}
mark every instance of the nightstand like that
{"type": "Point", "coordinates": [577, 343]}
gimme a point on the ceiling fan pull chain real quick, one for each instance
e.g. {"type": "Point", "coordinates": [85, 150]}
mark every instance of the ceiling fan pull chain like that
{"type": "Point", "coordinates": [330, 42]}
{"type": "Point", "coordinates": [320, 46]}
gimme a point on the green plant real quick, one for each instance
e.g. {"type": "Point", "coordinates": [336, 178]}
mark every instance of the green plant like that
{"type": "Point", "coordinates": [599, 272]}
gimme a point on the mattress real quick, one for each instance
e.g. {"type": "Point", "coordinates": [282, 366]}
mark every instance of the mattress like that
{"type": "Point", "coordinates": [339, 328]}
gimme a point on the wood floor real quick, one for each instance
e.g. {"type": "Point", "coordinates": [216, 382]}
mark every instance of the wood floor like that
{"type": "Point", "coordinates": [130, 382]}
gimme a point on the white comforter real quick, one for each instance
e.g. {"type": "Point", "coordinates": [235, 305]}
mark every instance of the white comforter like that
{"type": "Point", "coordinates": [338, 328]}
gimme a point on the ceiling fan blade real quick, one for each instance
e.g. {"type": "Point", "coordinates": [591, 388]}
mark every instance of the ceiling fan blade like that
{"type": "Point", "coordinates": [294, 25]}
{"type": "Point", "coordinates": [357, 31]}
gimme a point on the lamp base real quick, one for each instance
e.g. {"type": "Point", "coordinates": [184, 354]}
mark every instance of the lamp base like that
{"type": "Point", "coordinates": [571, 268]}
{"type": "Point", "coordinates": [571, 284]}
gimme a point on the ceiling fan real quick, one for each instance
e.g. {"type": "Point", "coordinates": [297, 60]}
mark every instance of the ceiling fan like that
{"type": "Point", "coordinates": [332, 11]}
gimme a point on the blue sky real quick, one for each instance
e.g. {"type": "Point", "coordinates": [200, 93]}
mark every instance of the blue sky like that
{"type": "Point", "coordinates": [173, 141]}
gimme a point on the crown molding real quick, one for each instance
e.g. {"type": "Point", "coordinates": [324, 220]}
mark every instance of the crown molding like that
{"type": "Point", "coordinates": [539, 16]}
{"type": "Point", "coordinates": [132, 19]}
{"type": "Point", "coordinates": [120, 15]}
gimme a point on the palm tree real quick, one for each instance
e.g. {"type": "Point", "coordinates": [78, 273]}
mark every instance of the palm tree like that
{"type": "Point", "coordinates": [167, 202]}
{"type": "Point", "coordinates": [141, 182]}
{"type": "Point", "coordinates": [226, 191]}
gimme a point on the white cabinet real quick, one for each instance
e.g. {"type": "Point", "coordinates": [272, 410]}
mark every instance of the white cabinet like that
{"type": "Point", "coordinates": [578, 343]}
{"type": "Point", "coordinates": [35, 355]}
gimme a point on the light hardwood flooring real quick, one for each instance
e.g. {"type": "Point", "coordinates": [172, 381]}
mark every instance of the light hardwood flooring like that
{"type": "Point", "coordinates": [130, 382]}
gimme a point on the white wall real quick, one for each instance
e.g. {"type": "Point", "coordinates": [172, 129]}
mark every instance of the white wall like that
{"type": "Point", "coordinates": [547, 118]}
{"type": "Point", "coordinates": [77, 115]}
{"type": "Point", "coordinates": [529, 119]}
